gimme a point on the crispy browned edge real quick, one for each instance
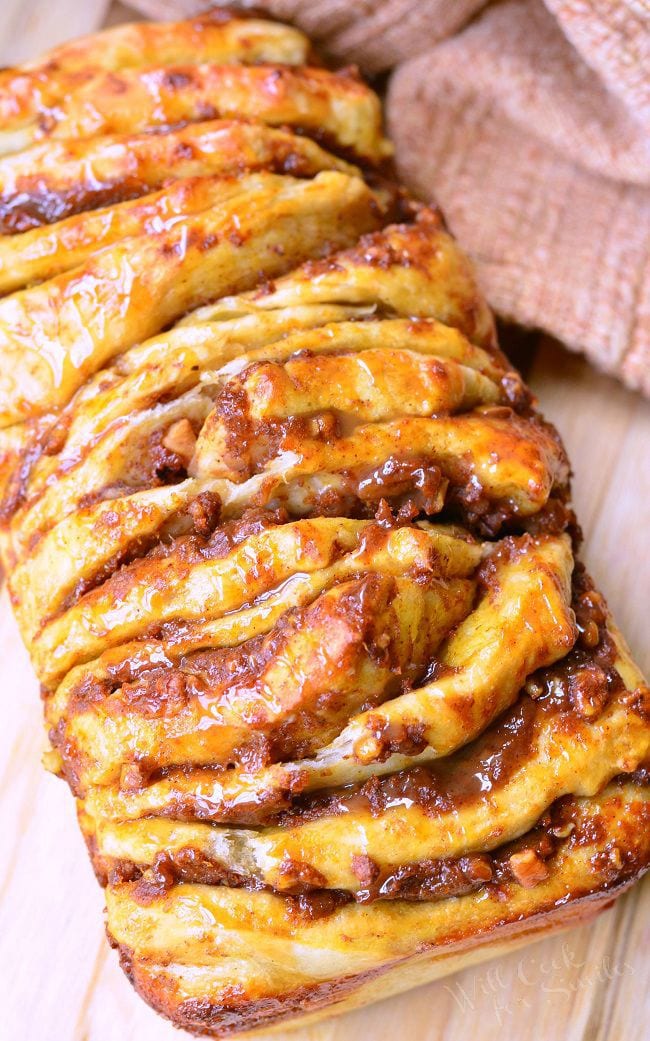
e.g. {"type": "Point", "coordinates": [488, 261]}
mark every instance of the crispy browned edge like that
{"type": "Point", "coordinates": [309, 1004]}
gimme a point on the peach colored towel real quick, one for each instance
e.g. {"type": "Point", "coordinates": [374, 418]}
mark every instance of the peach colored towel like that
{"type": "Point", "coordinates": [531, 127]}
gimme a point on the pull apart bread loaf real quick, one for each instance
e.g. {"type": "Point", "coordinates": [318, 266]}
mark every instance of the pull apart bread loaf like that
{"type": "Point", "coordinates": [289, 545]}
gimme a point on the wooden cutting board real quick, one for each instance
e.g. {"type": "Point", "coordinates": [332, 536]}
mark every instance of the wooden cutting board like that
{"type": "Point", "coordinates": [59, 981]}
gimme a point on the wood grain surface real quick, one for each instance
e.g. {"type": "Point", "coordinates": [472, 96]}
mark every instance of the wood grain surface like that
{"type": "Point", "coordinates": [59, 981]}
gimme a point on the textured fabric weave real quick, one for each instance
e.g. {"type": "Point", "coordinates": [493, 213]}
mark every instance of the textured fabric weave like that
{"type": "Point", "coordinates": [531, 128]}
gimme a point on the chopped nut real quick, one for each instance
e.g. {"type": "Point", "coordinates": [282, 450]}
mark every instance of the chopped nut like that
{"type": "Point", "coordinates": [534, 689]}
{"type": "Point", "coordinates": [477, 868]}
{"type": "Point", "coordinates": [588, 690]}
{"type": "Point", "coordinates": [562, 831]}
{"type": "Point", "coordinates": [528, 868]}
{"type": "Point", "coordinates": [368, 749]}
{"type": "Point", "coordinates": [364, 868]}
{"type": "Point", "coordinates": [298, 873]}
{"type": "Point", "coordinates": [132, 777]}
{"type": "Point", "coordinates": [544, 846]}
{"type": "Point", "coordinates": [590, 635]}
{"type": "Point", "coordinates": [181, 440]}
{"type": "Point", "coordinates": [205, 512]}
{"type": "Point", "coordinates": [615, 858]}
{"type": "Point", "coordinates": [324, 426]}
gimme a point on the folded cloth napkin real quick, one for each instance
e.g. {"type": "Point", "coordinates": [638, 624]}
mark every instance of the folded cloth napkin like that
{"type": "Point", "coordinates": [531, 127]}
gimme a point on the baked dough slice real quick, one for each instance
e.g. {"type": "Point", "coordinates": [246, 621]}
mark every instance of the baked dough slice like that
{"type": "Point", "coordinates": [289, 545]}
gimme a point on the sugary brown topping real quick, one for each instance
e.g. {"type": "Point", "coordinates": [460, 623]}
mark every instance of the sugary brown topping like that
{"type": "Point", "coordinates": [288, 542]}
{"type": "Point", "coordinates": [528, 868]}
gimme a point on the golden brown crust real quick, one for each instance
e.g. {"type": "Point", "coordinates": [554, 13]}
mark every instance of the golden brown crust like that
{"type": "Point", "coordinates": [416, 943]}
{"type": "Point", "coordinates": [288, 543]}
{"type": "Point", "coordinates": [28, 91]}
{"type": "Point", "coordinates": [49, 182]}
